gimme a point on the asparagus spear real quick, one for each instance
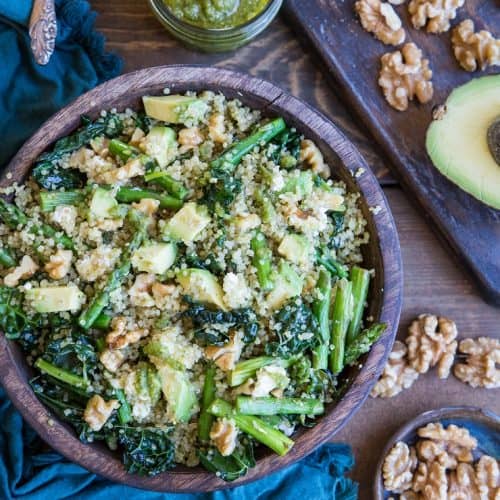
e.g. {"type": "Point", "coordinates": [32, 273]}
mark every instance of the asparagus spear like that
{"type": "Point", "coordinates": [6, 259]}
{"type": "Point", "coordinates": [247, 405]}
{"type": "Point", "coordinates": [262, 258]}
{"type": "Point", "coordinates": [205, 420]}
{"type": "Point", "coordinates": [363, 342]}
{"type": "Point", "coordinates": [335, 268]}
{"type": "Point", "coordinates": [129, 195]}
{"type": "Point", "coordinates": [102, 322]}
{"type": "Point", "coordinates": [246, 369]}
{"type": "Point", "coordinates": [61, 374]}
{"type": "Point", "coordinates": [101, 300]}
{"type": "Point", "coordinates": [360, 282]}
{"type": "Point", "coordinates": [49, 200]}
{"type": "Point", "coordinates": [122, 150]}
{"type": "Point", "coordinates": [342, 312]}
{"type": "Point", "coordinates": [267, 208]}
{"type": "Point", "coordinates": [124, 412]}
{"type": "Point", "coordinates": [253, 426]}
{"type": "Point", "coordinates": [175, 188]}
{"type": "Point", "coordinates": [13, 217]}
{"type": "Point", "coordinates": [232, 156]}
{"type": "Point", "coordinates": [321, 309]}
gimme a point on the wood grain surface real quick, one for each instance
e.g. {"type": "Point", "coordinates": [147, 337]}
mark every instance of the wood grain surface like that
{"type": "Point", "coordinates": [382, 254]}
{"type": "Point", "coordinates": [470, 227]}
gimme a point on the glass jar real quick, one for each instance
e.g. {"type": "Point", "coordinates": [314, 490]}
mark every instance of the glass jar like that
{"type": "Point", "coordinates": [210, 39]}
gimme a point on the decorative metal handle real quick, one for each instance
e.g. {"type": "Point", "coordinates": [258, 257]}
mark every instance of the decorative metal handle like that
{"type": "Point", "coordinates": [43, 30]}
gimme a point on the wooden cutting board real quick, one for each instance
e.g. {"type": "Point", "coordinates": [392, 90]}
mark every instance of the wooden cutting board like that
{"type": "Point", "coordinates": [352, 56]}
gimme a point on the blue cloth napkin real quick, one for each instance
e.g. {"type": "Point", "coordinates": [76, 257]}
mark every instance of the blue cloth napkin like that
{"type": "Point", "coordinates": [29, 471]}
{"type": "Point", "coordinates": [29, 94]}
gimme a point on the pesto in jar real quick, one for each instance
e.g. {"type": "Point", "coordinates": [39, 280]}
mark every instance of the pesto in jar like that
{"type": "Point", "coordinates": [216, 14]}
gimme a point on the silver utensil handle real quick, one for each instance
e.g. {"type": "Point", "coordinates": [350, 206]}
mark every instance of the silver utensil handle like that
{"type": "Point", "coordinates": [43, 30]}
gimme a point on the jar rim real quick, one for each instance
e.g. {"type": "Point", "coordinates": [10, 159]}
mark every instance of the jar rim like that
{"type": "Point", "coordinates": [163, 9]}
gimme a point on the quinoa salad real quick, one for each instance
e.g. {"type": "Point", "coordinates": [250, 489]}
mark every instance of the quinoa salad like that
{"type": "Point", "coordinates": [186, 281]}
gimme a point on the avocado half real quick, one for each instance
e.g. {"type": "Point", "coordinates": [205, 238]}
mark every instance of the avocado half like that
{"type": "Point", "coordinates": [457, 140]}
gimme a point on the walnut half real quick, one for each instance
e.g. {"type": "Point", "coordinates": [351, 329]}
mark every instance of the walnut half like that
{"type": "Point", "coordinates": [405, 74]}
{"type": "Point", "coordinates": [398, 468]}
{"type": "Point", "coordinates": [480, 368]}
{"type": "Point", "coordinates": [474, 50]}
{"type": "Point", "coordinates": [381, 19]}
{"type": "Point", "coordinates": [434, 14]}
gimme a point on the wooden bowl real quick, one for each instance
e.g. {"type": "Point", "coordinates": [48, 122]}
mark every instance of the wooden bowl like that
{"type": "Point", "coordinates": [483, 424]}
{"type": "Point", "coordinates": [382, 254]}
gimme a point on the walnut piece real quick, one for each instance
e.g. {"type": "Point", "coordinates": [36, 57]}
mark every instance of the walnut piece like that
{"type": "Point", "coordinates": [121, 336]}
{"type": "Point", "coordinates": [98, 411]}
{"type": "Point", "coordinates": [480, 368]}
{"type": "Point", "coordinates": [190, 137]}
{"type": "Point", "coordinates": [462, 484]}
{"type": "Point", "coordinates": [139, 292]}
{"type": "Point", "coordinates": [148, 206]}
{"type": "Point", "coordinates": [488, 478]}
{"type": "Point", "coordinates": [59, 264]}
{"type": "Point", "coordinates": [217, 128]}
{"type": "Point", "coordinates": [398, 468]}
{"type": "Point", "coordinates": [120, 175]}
{"type": "Point", "coordinates": [111, 359]}
{"type": "Point", "coordinates": [381, 19]}
{"type": "Point", "coordinates": [226, 356]}
{"type": "Point", "coordinates": [437, 483]}
{"type": "Point", "coordinates": [474, 50]}
{"type": "Point", "coordinates": [450, 446]}
{"type": "Point", "coordinates": [311, 155]}
{"type": "Point", "coordinates": [397, 375]}
{"type": "Point", "coordinates": [26, 269]}
{"type": "Point", "coordinates": [431, 341]}
{"type": "Point", "coordinates": [224, 435]}
{"type": "Point", "coordinates": [405, 74]}
{"type": "Point", "coordinates": [435, 14]}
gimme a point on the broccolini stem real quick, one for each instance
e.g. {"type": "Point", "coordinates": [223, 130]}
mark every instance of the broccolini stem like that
{"type": "Point", "coordinates": [6, 259]}
{"type": "Point", "coordinates": [262, 259]}
{"type": "Point", "coordinates": [360, 279]}
{"type": "Point", "coordinates": [342, 312]}
{"type": "Point", "coordinates": [117, 276]}
{"type": "Point", "coordinates": [122, 150]}
{"type": "Point", "coordinates": [129, 195]}
{"type": "Point", "coordinates": [13, 217]}
{"type": "Point", "coordinates": [205, 420]}
{"type": "Point", "coordinates": [175, 188]}
{"type": "Point", "coordinates": [253, 426]}
{"type": "Point", "coordinates": [321, 309]}
{"type": "Point", "coordinates": [232, 156]}
{"type": "Point", "coordinates": [124, 413]}
{"type": "Point", "coordinates": [49, 200]}
{"type": "Point", "coordinates": [61, 374]}
{"type": "Point", "coordinates": [363, 342]}
{"type": "Point", "coordinates": [247, 405]}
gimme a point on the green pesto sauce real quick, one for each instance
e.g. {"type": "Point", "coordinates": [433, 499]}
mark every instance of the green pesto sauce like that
{"type": "Point", "coordinates": [216, 13]}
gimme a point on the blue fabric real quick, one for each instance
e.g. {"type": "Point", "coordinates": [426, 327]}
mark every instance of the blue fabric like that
{"type": "Point", "coordinates": [30, 93]}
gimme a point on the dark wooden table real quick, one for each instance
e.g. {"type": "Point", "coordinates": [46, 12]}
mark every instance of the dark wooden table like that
{"type": "Point", "coordinates": [434, 283]}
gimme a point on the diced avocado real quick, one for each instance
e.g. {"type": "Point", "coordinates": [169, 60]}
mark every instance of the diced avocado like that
{"type": "Point", "coordinates": [295, 248]}
{"type": "Point", "coordinates": [202, 286]}
{"type": "Point", "coordinates": [55, 298]}
{"type": "Point", "coordinates": [287, 284]}
{"type": "Point", "coordinates": [187, 223]}
{"type": "Point", "coordinates": [161, 144]}
{"type": "Point", "coordinates": [147, 382]}
{"type": "Point", "coordinates": [175, 108]}
{"type": "Point", "coordinates": [154, 258]}
{"type": "Point", "coordinates": [179, 393]}
{"type": "Point", "coordinates": [457, 139]}
{"type": "Point", "coordinates": [103, 204]}
{"type": "Point", "coordinates": [300, 183]}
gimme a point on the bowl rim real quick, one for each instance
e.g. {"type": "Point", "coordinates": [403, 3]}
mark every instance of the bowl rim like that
{"type": "Point", "coordinates": [185, 77]}
{"type": "Point", "coordinates": [446, 412]}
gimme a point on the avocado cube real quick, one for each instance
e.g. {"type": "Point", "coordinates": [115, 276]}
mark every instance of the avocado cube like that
{"type": "Point", "coordinates": [202, 286]}
{"type": "Point", "coordinates": [187, 223]}
{"type": "Point", "coordinates": [295, 248]}
{"type": "Point", "coordinates": [55, 298]}
{"type": "Point", "coordinates": [154, 258]}
{"type": "Point", "coordinates": [175, 108]}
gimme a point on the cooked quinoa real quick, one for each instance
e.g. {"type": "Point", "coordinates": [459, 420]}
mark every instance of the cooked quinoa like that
{"type": "Point", "coordinates": [148, 256]}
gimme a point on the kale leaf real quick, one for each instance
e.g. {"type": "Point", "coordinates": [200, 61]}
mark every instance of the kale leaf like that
{"type": "Point", "coordinates": [204, 319]}
{"type": "Point", "coordinates": [287, 143]}
{"type": "Point", "coordinates": [221, 191]}
{"type": "Point", "coordinates": [296, 329]}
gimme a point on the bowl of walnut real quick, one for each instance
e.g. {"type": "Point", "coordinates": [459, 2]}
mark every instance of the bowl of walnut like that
{"type": "Point", "coordinates": [449, 453]}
